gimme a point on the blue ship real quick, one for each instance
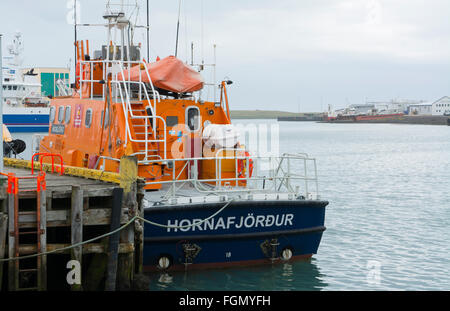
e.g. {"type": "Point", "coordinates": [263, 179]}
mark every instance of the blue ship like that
{"type": "Point", "coordinates": [246, 232]}
{"type": "Point", "coordinates": [269, 220]}
{"type": "Point", "coordinates": [27, 123]}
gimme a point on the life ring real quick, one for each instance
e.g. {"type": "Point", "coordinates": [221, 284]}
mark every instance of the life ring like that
{"type": "Point", "coordinates": [242, 166]}
{"type": "Point", "coordinates": [8, 102]}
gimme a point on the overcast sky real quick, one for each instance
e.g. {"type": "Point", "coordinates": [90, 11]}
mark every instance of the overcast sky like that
{"type": "Point", "coordinates": [282, 55]}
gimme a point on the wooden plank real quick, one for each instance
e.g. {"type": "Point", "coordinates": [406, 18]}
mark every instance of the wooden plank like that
{"type": "Point", "coordinates": [77, 227]}
{"type": "Point", "coordinates": [61, 218]}
{"type": "Point", "coordinates": [61, 191]}
{"type": "Point", "coordinates": [113, 247]}
{"type": "Point", "coordinates": [91, 248]}
{"type": "Point", "coordinates": [43, 239]}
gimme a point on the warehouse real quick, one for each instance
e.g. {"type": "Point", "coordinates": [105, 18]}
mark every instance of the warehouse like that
{"type": "Point", "coordinates": [47, 77]}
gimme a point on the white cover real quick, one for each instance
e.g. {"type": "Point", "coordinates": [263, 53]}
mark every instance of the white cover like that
{"type": "Point", "coordinates": [221, 135]}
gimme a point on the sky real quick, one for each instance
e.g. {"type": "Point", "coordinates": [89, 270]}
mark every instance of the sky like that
{"type": "Point", "coordinates": [285, 55]}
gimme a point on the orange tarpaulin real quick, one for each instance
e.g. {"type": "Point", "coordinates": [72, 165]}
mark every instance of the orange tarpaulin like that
{"type": "Point", "coordinates": [169, 74]}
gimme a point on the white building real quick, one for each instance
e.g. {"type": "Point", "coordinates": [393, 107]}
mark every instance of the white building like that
{"type": "Point", "coordinates": [441, 107]}
{"type": "Point", "coordinates": [423, 109]}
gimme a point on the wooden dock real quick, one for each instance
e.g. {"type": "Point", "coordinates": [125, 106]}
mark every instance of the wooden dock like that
{"type": "Point", "coordinates": [66, 211]}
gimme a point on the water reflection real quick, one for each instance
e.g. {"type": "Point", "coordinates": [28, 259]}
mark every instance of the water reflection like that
{"type": "Point", "coordinates": [298, 276]}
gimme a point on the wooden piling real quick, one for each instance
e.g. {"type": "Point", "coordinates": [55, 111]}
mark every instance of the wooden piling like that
{"type": "Point", "coordinates": [113, 248]}
{"type": "Point", "coordinates": [3, 234]}
{"type": "Point", "coordinates": [128, 181]}
{"type": "Point", "coordinates": [13, 270]}
{"type": "Point", "coordinates": [42, 277]}
{"type": "Point", "coordinates": [77, 227]}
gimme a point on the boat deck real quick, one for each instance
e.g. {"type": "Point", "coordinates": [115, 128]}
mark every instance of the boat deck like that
{"type": "Point", "coordinates": [188, 194]}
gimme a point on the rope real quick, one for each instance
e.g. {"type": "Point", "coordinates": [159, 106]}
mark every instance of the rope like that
{"type": "Point", "coordinates": [187, 226]}
{"type": "Point", "coordinates": [74, 245]}
{"type": "Point", "coordinates": [118, 230]}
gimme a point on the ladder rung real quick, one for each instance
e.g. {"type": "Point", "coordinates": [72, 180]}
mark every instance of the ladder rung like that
{"type": "Point", "coordinates": [27, 270]}
{"type": "Point", "coordinates": [27, 213]}
{"type": "Point", "coordinates": [28, 288]}
{"type": "Point", "coordinates": [28, 232]}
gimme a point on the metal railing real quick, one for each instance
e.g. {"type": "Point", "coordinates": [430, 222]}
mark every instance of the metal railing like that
{"type": "Point", "coordinates": [289, 173]}
{"type": "Point", "coordinates": [122, 92]}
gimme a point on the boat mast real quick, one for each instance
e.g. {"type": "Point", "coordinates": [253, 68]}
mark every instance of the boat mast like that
{"type": "Point", "coordinates": [178, 28]}
{"type": "Point", "coordinates": [76, 39]}
{"type": "Point", "coordinates": [148, 31]}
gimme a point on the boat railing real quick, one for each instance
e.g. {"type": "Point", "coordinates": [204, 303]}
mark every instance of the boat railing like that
{"type": "Point", "coordinates": [294, 174]}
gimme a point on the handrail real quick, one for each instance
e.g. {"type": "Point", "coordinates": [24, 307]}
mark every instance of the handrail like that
{"type": "Point", "coordinates": [280, 175]}
{"type": "Point", "coordinates": [42, 156]}
{"type": "Point", "coordinates": [125, 98]}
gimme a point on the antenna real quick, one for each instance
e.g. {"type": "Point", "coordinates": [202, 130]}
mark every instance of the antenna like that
{"type": "Point", "coordinates": [148, 31]}
{"type": "Point", "coordinates": [75, 29]}
{"type": "Point", "coordinates": [178, 28]}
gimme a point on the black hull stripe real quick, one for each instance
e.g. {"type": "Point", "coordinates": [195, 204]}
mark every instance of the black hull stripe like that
{"type": "Point", "coordinates": [234, 235]}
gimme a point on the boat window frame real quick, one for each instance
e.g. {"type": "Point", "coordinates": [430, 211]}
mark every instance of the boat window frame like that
{"type": "Point", "coordinates": [52, 118]}
{"type": "Point", "coordinates": [186, 119]}
{"type": "Point", "coordinates": [61, 118]}
{"type": "Point", "coordinates": [88, 111]}
{"type": "Point", "coordinates": [67, 114]}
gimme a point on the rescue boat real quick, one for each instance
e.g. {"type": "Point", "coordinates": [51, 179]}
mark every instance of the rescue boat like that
{"type": "Point", "coordinates": [208, 201]}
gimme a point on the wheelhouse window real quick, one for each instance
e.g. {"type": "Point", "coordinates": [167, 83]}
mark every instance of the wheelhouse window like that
{"type": "Point", "coordinates": [193, 118]}
{"type": "Point", "coordinates": [61, 114]}
{"type": "Point", "coordinates": [67, 115]}
{"type": "Point", "coordinates": [52, 114]}
{"type": "Point", "coordinates": [171, 121]}
{"type": "Point", "coordinates": [88, 120]}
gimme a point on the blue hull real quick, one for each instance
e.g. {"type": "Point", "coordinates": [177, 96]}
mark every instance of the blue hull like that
{"type": "Point", "coordinates": [245, 233]}
{"type": "Point", "coordinates": [22, 123]}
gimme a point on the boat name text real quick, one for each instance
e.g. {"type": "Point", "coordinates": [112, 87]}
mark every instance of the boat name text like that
{"type": "Point", "coordinates": [232, 222]}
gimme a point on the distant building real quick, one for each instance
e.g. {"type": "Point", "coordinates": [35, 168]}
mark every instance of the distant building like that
{"type": "Point", "coordinates": [423, 109]}
{"type": "Point", "coordinates": [395, 106]}
{"type": "Point", "coordinates": [47, 77]}
{"type": "Point", "coordinates": [361, 109]}
{"type": "Point", "coordinates": [441, 106]}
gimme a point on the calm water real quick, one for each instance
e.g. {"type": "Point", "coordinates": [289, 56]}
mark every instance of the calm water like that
{"type": "Point", "coordinates": [388, 222]}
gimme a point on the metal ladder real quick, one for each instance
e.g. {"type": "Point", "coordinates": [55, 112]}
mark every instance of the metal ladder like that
{"type": "Point", "coordinates": [143, 127]}
{"type": "Point", "coordinates": [27, 274]}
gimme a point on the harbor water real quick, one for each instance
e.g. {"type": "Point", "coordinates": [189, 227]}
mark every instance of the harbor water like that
{"type": "Point", "coordinates": [388, 220]}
